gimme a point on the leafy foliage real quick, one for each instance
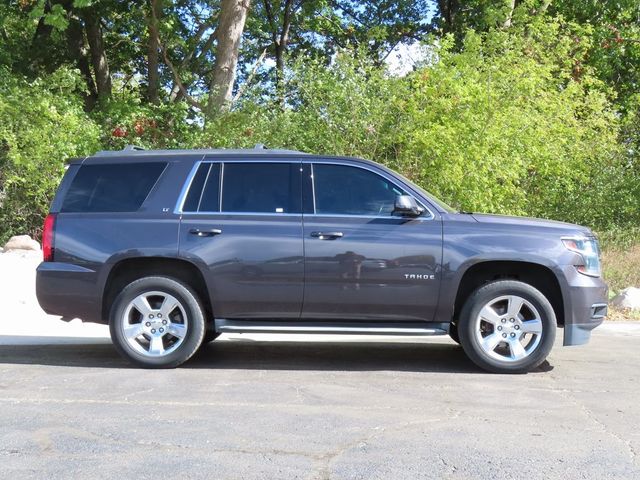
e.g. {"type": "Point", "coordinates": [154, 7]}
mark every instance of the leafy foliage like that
{"type": "Point", "coordinates": [499, 126]}
{"type": "Point", "coordinates": [528, 107]}
{"type": "Point", "coordinates": [41, 125]}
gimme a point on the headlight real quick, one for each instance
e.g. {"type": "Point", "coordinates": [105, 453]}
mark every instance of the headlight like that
{"type": "Point", "coordinates": [588, 248]}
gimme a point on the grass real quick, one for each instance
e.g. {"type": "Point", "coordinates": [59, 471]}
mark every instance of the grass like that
{"type": "Point", "coordinates": [621, 268]}
{"type": "Point", "coordinates": [623, 315]}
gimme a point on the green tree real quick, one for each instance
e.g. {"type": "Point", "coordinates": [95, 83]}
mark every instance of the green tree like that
{"type": "Point", "coordinates": [42, 124]}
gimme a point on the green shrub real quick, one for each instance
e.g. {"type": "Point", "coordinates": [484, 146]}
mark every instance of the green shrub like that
{"type": "Point", "coordinates": [511, 123]}
{"type": "Point", "coordinates": [42, 124]}
{"type": "Point", "coordinates": [501, 127]}
{"type": "Point", "coordinates": [126, 120]}
{"type": "Point", "coordinates": [346, 109]}
{"type": "Point", "coordinates": [505, 125]}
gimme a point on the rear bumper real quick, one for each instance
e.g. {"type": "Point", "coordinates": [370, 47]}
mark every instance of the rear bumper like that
{"type": "Point", "coordinates": [585, 306]}
{"type": "Point", "coordinates": [69, 291]}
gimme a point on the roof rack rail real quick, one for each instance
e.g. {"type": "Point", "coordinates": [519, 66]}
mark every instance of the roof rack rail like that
{"type": "Point", "coordinates": [136, 151]}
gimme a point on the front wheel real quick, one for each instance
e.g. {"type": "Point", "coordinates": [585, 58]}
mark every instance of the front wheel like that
{"type": "Point", "coordinates": [157, 322]}
{"type": "Point", "coordinates": [507, 327]}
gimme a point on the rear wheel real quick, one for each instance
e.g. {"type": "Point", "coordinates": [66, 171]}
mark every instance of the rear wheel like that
{"type": "Point", "coordinates": [157, 322]}
{"type": "Point", "coordinates": [507, 327]}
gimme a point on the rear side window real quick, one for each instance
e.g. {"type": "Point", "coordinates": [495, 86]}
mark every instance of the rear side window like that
{"type": "Point", "coordinates": [119, 187]}
{"type": "Point", "coordinates": [205, 199]}
{"type": "Point", "coordinates": [262, 188]}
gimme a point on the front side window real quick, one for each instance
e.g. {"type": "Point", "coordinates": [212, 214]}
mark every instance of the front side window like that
{"type": "Point", "coordinates": [346, 190]}
{"type": "Point", "coordinates": [261, 188]}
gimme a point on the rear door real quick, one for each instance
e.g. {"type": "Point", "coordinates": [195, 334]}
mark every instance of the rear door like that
{"type": "Point", "coordinates": [242, 223]}
{"type": "Point", "coordinates": [362, 262]}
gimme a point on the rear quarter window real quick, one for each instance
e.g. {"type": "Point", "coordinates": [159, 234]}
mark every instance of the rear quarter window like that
{"type": "Point", "coordinates": [111, 188]}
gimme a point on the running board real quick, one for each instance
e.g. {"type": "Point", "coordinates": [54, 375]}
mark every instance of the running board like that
{"type": "Point", "coordinates": [346, 328]}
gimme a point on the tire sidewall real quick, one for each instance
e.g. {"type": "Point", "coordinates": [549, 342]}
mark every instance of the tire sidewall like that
{"type": "Point", "coordinates": [188, 300]}
{"type": "Point", "coordinates": [471, 309]}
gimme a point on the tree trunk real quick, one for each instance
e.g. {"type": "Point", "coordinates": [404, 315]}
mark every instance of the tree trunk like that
{"type": "Point", "coordinates": [279, 53]}
{"type": "Point", "coordinates": [281, 50]}
{"type": "Point", "coordinates": [280, 39]}
{"type": "Point", "coordinates": [98, 55]}
{"type": "Point", "coordinates": [233, 14]}
{"type": "Point", "coordinates": [39, 51]}
{"type": "Point", "coordinates": [153, 75]}
{"type": "Point", "coordinates": [79, 53]}
{"type": "Point", "coordinates": [508, 20]}
{"type": "Point", "coordinates": [448, 11]}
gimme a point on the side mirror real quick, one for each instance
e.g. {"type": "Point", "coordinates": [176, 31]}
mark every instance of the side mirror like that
{"type": "Point", "coordinates": [406, 205]}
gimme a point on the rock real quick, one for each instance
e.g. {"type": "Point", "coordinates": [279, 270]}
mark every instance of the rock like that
{"type": "Point", "coordinates": [22, 242]}
{"type": "Point", "coordinates": [627, 298]}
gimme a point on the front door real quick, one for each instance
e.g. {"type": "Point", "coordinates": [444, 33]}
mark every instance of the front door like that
{"type": "Point", "coordinates": [242, 224]}
{"type": "Point", "coordinates": [361, 261]}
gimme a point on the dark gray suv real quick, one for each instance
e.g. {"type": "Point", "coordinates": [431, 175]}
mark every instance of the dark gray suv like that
{"type": "Point", "coordinates": [172, 248]}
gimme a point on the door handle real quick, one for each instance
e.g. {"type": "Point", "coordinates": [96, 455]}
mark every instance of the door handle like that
{"type": "Point", "coordinates": [205, 233]}
{"type": "Point", "coordinates": [327, 235]}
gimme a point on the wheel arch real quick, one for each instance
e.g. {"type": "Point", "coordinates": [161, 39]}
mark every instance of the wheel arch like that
{"type": "Point", "coordinates": [538, 275]}
{"type": "Point", "coordinates": [129, 269]}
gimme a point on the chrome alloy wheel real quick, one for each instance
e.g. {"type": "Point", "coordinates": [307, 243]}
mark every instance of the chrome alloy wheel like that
{"type": "Point", "coordinates": [508, 328]}
{"type": "Point", "coordinates": [154, 324]}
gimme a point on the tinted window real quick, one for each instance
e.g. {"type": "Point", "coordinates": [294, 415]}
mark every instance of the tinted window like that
{"type": "Point", "coordinates": [345, 190]}
{"type": "Point", "coordinates": [261, 188]}
{"type": "Point", "coordinates": [204, 192]}
{"type": "Point", "coordinates": [111, 188]}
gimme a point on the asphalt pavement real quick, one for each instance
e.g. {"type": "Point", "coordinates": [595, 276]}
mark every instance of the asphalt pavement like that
{"type": "Point", "coordinates": [289, 407]}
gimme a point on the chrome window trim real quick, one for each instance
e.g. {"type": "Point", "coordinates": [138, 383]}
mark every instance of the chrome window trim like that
{"type": "Point", "coordinates": [245, 214]}
{"type": "Point", "coordinates": [185, 188]}
{"type": "Point", "coordinates": [221, 185]}
{"type": "Point", "coordinates": [385, 217]}
{"type": "Point", "coordinates": [313, 189]}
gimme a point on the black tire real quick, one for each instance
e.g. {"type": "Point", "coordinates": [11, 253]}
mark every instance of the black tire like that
{"type": "Point", "coordinates": [194, 325]}
{"type": "Point", "coordinates": [468, 320]}
{"type": "Point", "coordinates": [453, 333]}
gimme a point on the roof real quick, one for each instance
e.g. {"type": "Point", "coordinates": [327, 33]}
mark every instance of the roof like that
{"type": "Point", "coordinates": [134, 151]}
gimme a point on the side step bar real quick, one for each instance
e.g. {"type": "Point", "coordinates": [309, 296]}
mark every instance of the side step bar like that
{"type": "Point", "coordinates": [223, 325]}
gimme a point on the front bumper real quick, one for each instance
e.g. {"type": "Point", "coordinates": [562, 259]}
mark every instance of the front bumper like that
{"type": "Point", "coordinates": [585, 305]}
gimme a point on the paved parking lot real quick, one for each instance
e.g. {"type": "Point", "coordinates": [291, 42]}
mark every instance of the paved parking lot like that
{"type": "Point", "coordinates": [368, 408]}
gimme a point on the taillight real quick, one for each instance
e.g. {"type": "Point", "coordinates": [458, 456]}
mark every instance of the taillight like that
{"type": "Point", "coordinates": [47, 237]}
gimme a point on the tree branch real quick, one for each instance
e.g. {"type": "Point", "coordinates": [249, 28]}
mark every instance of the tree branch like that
{"type": "Point", "coordinates": [350, 13]}
{"type": "Point", "coordinates": [250, 77]}
{"type": "Point", "coordinates": [176, 78]}
{"type": "Point", "coordinates": [286, 23]}
{"type": "Point", "coordinates": [508, 20]}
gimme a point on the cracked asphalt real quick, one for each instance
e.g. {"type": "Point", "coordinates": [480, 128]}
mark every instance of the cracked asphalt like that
{"type": "Point", "coordinates": [258, 407]}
